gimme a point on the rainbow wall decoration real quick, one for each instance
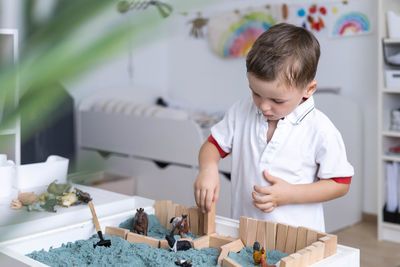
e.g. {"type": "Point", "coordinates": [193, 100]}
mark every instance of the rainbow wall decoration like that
{"type": "Point", "coordinates": [352, 23]}
{"type": "Point", "coordinates": [238, 34]}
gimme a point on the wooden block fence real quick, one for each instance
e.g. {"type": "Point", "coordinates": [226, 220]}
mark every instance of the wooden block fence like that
{"type": "Point", "coordinates": [304, 246]}
{"type": "Point", "coordinates": [116, 231]}
{"type": "Point", "coordinates": [199, 223]}
{"type": "Point", "coordinates": [234, 246]}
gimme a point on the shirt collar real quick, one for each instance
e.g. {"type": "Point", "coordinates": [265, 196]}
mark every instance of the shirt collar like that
{"type": "Point", "coordinates": [301, 111]}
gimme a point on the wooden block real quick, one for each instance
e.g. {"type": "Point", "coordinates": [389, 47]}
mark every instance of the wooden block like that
{"type": "Point", "coordinates": [301, 241]}
{"type": "Point", "coordinates": [313, 254]}
{"type": "Point", "coordinates": [320, 234]}
{"type": "Point", "coordinates": [157, 209]}
{"type": "Point", "coordinates": [164, 244]}
{"type": "Point", "coordinates": [193, 220]}
{"type": "Point", "coordinates": [291, 238]}
{"type": "Point", "coordinates": [261, 233]}
{"type": "Point", "coordinates": [228, 262]}
{"type": "Point", "coordinates": [287, 262]}
{"type": "Point", "coordinates": [132, 237]}
{"type": "Point", "coordinates": [243, 228]}
{"type": "Point", "coordinates": [116, 231]}
{"type": "Point", "coordinates": [305, 257]}
{"type": "Point", "coordinates": [164, 212]}
{"type": "Point", "coordinates": [297, 259]}
{"type": "Point", "coordinates": [217, 241]}
{"type": "Point", "coordinates": [180, 210]}
{"type": "Point", "coordinates": [201, 242]}
{"type": "Point", "coordinates": [251, 232]}
{"type": "Point", "coordinates": [234, 246]}
{"type": "Point", "coordinates": [209, 221]}
{"type": "Point", "coordinates": [281, 236]}
{"type": "Point", "coordinates": [170, 213]}
{"type": "Point", "coordinates": [330, 242]}
{"type": "Point", "coordinates": [270, 235]}
{"type": "Point", "coordinates": [312, 236]}
{"type": "Point", "coordinates": [320, 250]}
{"type": "Point", "coordinates": [201, 223]}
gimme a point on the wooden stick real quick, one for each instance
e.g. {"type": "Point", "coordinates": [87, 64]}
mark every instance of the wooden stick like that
{"type": "Point", "coordinates": [209, 220]}
{"type": "Point", "coordinates": [228, 262]}
{"type": "Point", "coordinates": [271, 235]}
{"type": "Point", "coordinates": [132, 237]}
{"type": "Point", "coordinates": [281, 236]}
{"type": "Point", "coordinates": [234, 246]}
{"type": "Point", "coordinates": [251, 232]}
{"type": "Point", "coordinates": [330, 242]}
{"type": "Point", "coordinates": [290, 246]}
{"type": "Point", "coordinates": [243, 228]}
{"type": "Point", "coordinates": [116, 231]}
{"type": "Point", "coordinates": [301, 241]}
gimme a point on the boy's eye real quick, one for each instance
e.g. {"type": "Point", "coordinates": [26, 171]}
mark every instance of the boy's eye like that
{"type": "Point", "coordinates": [255, 94]}
{"type": "Point", "coordinates": [277, 101]}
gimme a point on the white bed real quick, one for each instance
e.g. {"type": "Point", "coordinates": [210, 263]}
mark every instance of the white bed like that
{"type": "Point", "coordinates": [159, 148]}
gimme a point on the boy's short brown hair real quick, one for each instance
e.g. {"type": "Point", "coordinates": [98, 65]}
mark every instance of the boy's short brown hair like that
{"type": "Point", "coordinates": [285, 52]}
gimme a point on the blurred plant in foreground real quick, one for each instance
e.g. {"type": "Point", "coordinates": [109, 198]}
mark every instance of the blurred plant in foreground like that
{"type": "Point", "coordinates": [64, 47]}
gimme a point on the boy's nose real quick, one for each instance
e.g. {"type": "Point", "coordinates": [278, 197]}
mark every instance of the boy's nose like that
{"type": "Point", "coordinates": [264, 106]}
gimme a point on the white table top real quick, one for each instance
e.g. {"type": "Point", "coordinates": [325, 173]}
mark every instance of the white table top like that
{"type": "Point", "coordinates": [110, 206]}
{"type": "Point", "coordinates": [17, 223]}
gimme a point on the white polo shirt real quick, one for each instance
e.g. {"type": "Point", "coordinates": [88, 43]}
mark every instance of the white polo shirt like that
{"type": "Point", "coordinates": [304, 147]}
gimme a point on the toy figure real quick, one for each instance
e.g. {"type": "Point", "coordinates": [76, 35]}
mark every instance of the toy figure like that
{"type": "Point", "coordinates": [178, 245]}
{"type": "Point", "coordinates": [258, 254]}
{"type": "Point", "coordinates": [264, 263]}
{"type": "Point", "coordinates": [181, 224]}
{"type": "Point", "coordinates": [140, 222]}
{"type": "Point", "coordinates": [183, 263]}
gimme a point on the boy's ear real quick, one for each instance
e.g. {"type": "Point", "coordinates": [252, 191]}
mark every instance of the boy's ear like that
{"type": "Point", "coordinates": [310, 89]}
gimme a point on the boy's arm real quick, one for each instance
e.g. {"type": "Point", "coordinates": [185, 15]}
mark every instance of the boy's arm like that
{"type": "Point", "coordinates": [281, 193]}
{"type": "Point", "coordinates": [320, 191]}
{"type": "Point", "coordinates": [206, 186]}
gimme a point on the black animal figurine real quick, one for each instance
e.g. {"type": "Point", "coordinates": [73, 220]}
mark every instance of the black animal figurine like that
{"type": "Point", "coordinates": [183, 263]}
{"type": "Point", "coordinates": [140, 222]}
{"type": "Point", "coordinates": [178, 245]}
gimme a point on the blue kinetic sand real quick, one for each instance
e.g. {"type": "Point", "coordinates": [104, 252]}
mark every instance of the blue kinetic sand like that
{"type": "Point", "coordinates": [245, 256]}
{"type": "Point", "coordinates": [120, 253]}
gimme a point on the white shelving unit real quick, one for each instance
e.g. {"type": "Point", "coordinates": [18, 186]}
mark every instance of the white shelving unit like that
{"type": "Point", "coordinates": [388, 99]}
{"type": "Point", "coordinates": [10, 138]}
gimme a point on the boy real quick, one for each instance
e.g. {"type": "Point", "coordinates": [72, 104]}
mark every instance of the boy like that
{"type": "Point", "coordinates": [287, 156]}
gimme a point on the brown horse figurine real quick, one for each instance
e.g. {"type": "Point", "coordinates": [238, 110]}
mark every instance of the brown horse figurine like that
{"type": "Point", "coordinates": [180, 224]}
{"type": "Point", "coordinates": [140, 222]}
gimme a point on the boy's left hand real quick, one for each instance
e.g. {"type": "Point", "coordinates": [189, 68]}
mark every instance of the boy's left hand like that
{"type": "Point", "coordinates": [272, 196]}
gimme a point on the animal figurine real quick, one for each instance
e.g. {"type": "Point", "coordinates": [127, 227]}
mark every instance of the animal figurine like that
{"type": "Point", "coordinates": [264, 263]}
{"type": "Point", "coordinates": [140, 222]}
{"type": "Point", "coordinates": [178, 245]}
{"type": "Point", "coordinates": [258, 253]}
{"type": "Point", "coordinates": [181, 224]}
{"type": "Point", "coordinates": [183, 263]}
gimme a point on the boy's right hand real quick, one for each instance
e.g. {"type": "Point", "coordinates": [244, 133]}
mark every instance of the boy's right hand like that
{"type": "Point", "coordinates": [206, 189]}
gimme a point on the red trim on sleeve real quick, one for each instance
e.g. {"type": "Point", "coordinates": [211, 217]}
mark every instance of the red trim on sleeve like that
{"type": "Point", "coordinates": [342, 180]}
{"type": "Point", "coordinates": [222, 153]}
